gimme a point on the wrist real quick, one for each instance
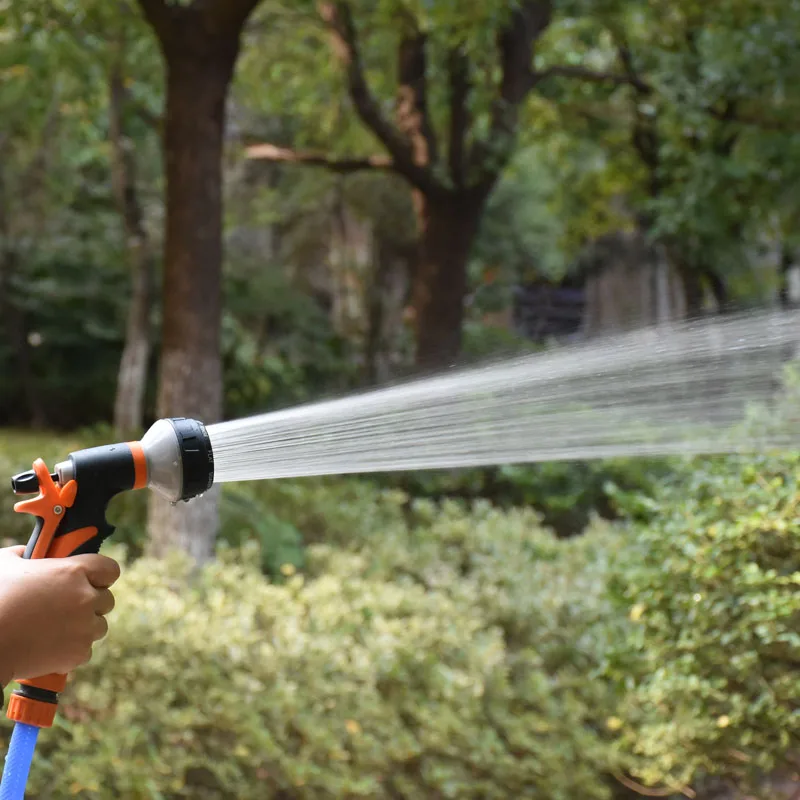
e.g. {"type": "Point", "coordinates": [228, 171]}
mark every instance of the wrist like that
{"type": "Point", "coordinates": [6, 672]}
{"type": "Point", "coordinates": [6, 650]}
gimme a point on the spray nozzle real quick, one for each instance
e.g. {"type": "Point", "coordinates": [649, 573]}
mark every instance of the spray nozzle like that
{"type": "Point", "coordinates": [180, 461]}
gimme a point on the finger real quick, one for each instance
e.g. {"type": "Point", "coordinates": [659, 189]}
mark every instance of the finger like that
{"type": "Point", "coordinates": [17, 551]}
{"type": "Point", "coordinates": [104, 602]}
{"type": "Point", "coordinates": [101, 571]}
{"type": "Point", "coordinates": [100, 628]}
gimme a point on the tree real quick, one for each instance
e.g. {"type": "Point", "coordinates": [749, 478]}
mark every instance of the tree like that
{"type": "Point", "coordinates": [708, 119]}
{"type": "Point", "coordinates": [26, 119]}
{"type": "Point", "coordinates": [108, 48]}
{"type": "Point", "coordinates": [200, 45]}
{"type": "Point", "coordinates": [51, 156]}
{"type": "Point", "coordinates": [455, 126]}
{"type": "Point", "coordinates": [134, 363]}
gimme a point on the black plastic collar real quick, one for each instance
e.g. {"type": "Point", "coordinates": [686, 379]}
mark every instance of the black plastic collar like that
{"type": "Point", "coordinates": [197, 456]}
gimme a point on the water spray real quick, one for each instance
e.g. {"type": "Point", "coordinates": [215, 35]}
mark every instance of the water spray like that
{"type": "Point", "coordinates": [683, 389]}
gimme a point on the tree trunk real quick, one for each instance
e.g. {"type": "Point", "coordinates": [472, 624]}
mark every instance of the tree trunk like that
{"type": "Point", "coordinates": [386, 294]}
{"type": "Point", "coordinates": [350, 253]}
{"type": "Point", "coordinates": [719, 289]}
{"type": "Point", "coordinates": [199, 70]}
{"type": "Point", "coordinates": [693, 293]}
{"type": "Point", "coordinates": [691, 279]}
{"type": "Point", "coordinates": [132, 378]}
{"type": "Point", "coordinates": [448, 226]}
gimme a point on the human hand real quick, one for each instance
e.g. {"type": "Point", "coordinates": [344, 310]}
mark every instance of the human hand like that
{"type": "Point", "coordinates": [52, 611]}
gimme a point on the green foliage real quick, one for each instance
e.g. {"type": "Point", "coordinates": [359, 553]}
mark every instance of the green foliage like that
{"type": "Point", "coordinates": [703, 156]}
{"type": "Point", "coordinates": [567, 494]}
{"type": "Point", "coordinates": [307, 91]}
{"type": "Point", "coordinates": [62, 259]}
{"type": "Point", "coordinates": [245, 519]}
{"type": "Point", "coordinates": [75, 319]}
{"type": "Point", "coordinates": [298, 362]}
{"type": "Point", "coordinates": [521, 235]}
{"type": "Point", "coordinates": [483, 343]}
{"type": "Point", "coordinates": [350, 683]}
{"type": "Point", "coordinates": [711, 581]}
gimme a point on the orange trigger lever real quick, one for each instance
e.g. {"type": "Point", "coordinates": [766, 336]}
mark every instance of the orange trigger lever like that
{"type": "Point", "coordinates": [49, 505]}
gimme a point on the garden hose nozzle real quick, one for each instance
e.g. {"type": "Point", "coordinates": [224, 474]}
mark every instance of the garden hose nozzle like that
{"type": "Point", "coordinates": [174, 459]}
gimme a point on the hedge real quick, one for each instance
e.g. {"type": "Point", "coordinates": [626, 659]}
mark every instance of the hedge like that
{"type": "Point", "coordinates": [458, 677]}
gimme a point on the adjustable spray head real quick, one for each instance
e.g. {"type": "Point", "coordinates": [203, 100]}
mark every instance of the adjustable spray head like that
{"type": "Point", "coordinates": [180, 461]}
{"type": "Point", "coordinates": [174, 457]}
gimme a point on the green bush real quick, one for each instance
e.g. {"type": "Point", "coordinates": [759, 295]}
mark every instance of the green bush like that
{"type": "Point", "coordinates": [348, 682]}
{"type": "Point", "coordinates": [335, 511]}
{"type": "Point", "coordinates": [567, 494]}
{"type": "Point", "coordinates": [713, 583]}
{"type": "Point", "coordinates": [245, 519]}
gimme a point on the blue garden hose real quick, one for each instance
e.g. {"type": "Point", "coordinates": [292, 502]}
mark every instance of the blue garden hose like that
{"type": "Point", "coordinates": [18, 761]}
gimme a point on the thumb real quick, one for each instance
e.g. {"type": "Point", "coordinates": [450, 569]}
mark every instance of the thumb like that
{"type": "Point", "coordinates": [101, 571]}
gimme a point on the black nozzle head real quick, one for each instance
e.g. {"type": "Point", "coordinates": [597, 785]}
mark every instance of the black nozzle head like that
{"type": "Point", "coordinates": [27, 482]}
{"type": "Point", "coordinates": [196, 455]}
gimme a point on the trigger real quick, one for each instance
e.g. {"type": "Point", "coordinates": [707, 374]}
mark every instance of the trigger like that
{"type": "Point", "coordinates": [68, 494]}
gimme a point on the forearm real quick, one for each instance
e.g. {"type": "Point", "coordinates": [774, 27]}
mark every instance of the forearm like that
{"type": "Point", "coordinates": [9, 636]}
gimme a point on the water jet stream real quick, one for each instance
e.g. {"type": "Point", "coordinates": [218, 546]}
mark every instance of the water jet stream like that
{"type": "Point", "coordinates": [680, 389]}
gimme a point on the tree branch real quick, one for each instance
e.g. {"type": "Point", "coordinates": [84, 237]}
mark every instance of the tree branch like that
{"type": "Point", "coordinates": [729, 113]}
{"type": "Point", "coordinates": [458, 78]}
{"type": "Point", "coordinates": [227, 15]}
{"type": "Point", "coordinates": [625, 55]}
{"type": "Point", "coordinates": [159, 15]}
{"type": "Point", "coordinates": [645, 791]}
{"type": "Point", "coordinates": [515, 44]}
{"type": "Point", "coordinates": [591, 76]}
{"type": "Point", "coordinates": [218, 19]}
{"type": "Point", "coordinates": [339, 20]}
{"type": "Point", "coordinates": [284, 155]}
{"type": "Point", "coordinates": [413, 117]}
{"type": "Point", "coordinates": [775, 125]}
{"type": "Point", "coordinates": [152, 120]}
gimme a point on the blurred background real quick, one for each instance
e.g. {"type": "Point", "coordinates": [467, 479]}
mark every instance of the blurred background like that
{"type": "Point", "coordinates": [223, 207]}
